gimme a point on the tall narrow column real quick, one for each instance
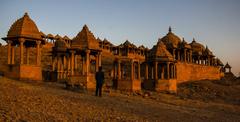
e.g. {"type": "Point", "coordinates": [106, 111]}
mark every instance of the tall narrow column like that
{"type": "Point", "coordinates": [146, 71]}
{"type": "Point", "coordinates": [75, 62]}
{"type": "Point", "coordinates": [69, 65]}
{"type": "Point", "coordinates": [9, 51]}
{"type": "Point", "coordinates": [156, 70]}
{"type": "Point", "coordinates": [64, 63]}
{"type": "Point", "coordinates": [97, 63]}
{"type": "Point", "coordinates": [173, 71]}
{"type": "Point", "coordinates": [87, 61]}
{"type": "Point", "coordinates": [209, 61]}
{"type": "Point", "coordinates": [53, 63]}
{"type": "Point", "coordinates": [174, 54]}
{"type": "Point", "coordinates": [58, 67]}
{"type": "Point", "coordinates": [13, 55]}
{"type": "Point", "coordinates": [83, 66]}
{"type": "Point", "coordinates": [179, 57]}
{"type": "Point", "coordinates": [167, 70]}
{"type": "Point", "coordinates": [191, 56]}
{"type": "Point", "coordinates": [139, 71]}
{"type": "Point", "coordinates": [185, 55]}
{"type": "Point", "coordinates": [38, 53]}
{"type": "Point", "coordinates": [72, 63]}
{"type": "Point", "coordinates": [21, 40]}
{"type": "Point", "coordinates": [162, 74]}
{"type": "Point", "coordinates": [100, 59]}
{"type": "Point", "coordinates": [132, 76]}
{"type": "Point", "coordinates": [27, 54]}
{"type": "Point", "coordinates": [118, 70]}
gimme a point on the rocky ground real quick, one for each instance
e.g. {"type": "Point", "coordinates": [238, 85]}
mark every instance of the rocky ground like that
{"type": "Point", "coordinates": [195, 101]}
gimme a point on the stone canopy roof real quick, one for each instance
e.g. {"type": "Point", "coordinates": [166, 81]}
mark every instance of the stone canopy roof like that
{"type": "Point", "coordinates": [184, 44]}
{"type": "Point", "coordinates": [85, 40]}
{"type": "Point", "coordinates": [171, 40]}
{"type": "Point", "coordinates": [197, 47]}
{"type": "Point", "coordinates": [24, 27]}
{"type": "Point", "coordinates": [227, 66]}
{"type": "Point", "coordinates": [219, 62]}
{"type": "Point", "coordinates": [159, 52]}
{"type": "Point", "coordinates": [207, 52]}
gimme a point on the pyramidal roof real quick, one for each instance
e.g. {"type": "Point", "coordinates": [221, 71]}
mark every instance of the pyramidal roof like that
{"type": "Point", "coordinates": [24, 27]}
{"type": "Point", "coordinates": [159, 51]}
{"type": "Point", "coordinates": [85, 40]}
{"type": "Point", "coordinates": [227, 66]}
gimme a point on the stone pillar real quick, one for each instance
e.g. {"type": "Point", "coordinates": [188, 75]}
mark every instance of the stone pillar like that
{"type": "Point", "coordinates": [64, 63]}
{"type": "Point", "coordinates": [53, 64]}
{"type": "Point", "coordinates": [118, 70]}
{"type": "Point", "coordinates": [198, 59]}
{"type": "Point", "coordinates": [12, 56]}
{"type": "Point", "coordinates": [179, 57]}
{"type": "Point", "coordinates": [132, 70]}
{"type": "Point", "coordinates": [152, 72]}
{"type": "Point", "coordinates": [162, 74]}
{"type": "Point", "coordinates": [173, 71]}
{"type": "Point", "coordinates": [83, 62]}
{"type": "Point", "coordinates": [69, 65]}
{"type": "Point", "coordinates": [72, 63]}
{"type": "Point", "coordinates": [191, 56]}
{"type": "Point", "coordinates": [38, 53]}
{"type": "Point", "coordinates": [9, 51]}
{"type": "Point", "coordinates": [97, 62]}
{"type": "Point", "coordinates": [167, 70]}
{"type": "Point", "coordinates": [87, 61]}
{"type": "Point", "coordinates": [75, 62]}
{"type": "Point", "coordinates": [21, 40]}
{"type": "Point", "coordinates": [139, 71]}
{"type": "Point", "coordinates": [209, 61]}
{"type": "Point", "coordinates": [58, 67]}
{"type": "Point", "coordinates": [185, 55]}
{"type": "Point", "coordinates": [174, 54]}
{"type": "Point", "coordinates": [27, 54]}
{"type": "Point", "coordinates": [146, 71]}
{"type": "Point", "coordinates": [100, 59]}
{"type": "Point", "coordinates": [156, 70]}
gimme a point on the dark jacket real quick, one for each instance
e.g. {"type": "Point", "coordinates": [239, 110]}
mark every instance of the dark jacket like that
{"type": "Point", "coordinates": [99, 77]}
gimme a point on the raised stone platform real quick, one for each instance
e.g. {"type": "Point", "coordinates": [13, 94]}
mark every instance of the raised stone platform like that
{"type": "Point", "coordinates": [24, 72]}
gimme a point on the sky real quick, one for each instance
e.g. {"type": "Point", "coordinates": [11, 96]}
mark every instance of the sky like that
{"type": "Point", "coordinates": [215, 23]}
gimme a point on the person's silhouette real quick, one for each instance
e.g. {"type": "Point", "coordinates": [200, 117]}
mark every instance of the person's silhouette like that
{"type": "Point", "coordinates": [99, 81]}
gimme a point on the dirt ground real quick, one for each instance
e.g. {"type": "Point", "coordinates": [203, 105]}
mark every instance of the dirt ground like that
{"type": "Point", "coordinates": [24, 101]}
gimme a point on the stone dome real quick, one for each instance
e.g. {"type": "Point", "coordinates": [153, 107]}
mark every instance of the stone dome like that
{"type": "Point", "coordinates": [60, 46]}
{"type": "Point", "coordinates": [171, 40]}
{"type": "Point", "coordinates": [197, 47]}
{"type": "Point", "coordinates": [60, 43]}
{"type": "Point", "coordinates": [207, 52]}
{"type": "Point", "coordinates": [24, 27]}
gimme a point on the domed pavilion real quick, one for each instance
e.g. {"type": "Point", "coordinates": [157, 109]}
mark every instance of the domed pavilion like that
{"type": "Point", "coordinates": [24, 34]}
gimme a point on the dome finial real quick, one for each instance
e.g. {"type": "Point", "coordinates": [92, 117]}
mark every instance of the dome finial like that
{"type": "Point", "coordinates": [26, 14]}
{"type": "Point", "coordinates": [170, 29]}
{"type": "Point", "coordinates": [85, 27]}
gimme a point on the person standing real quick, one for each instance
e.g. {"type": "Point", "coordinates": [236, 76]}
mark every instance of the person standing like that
{"type": "Point", "coordinates": [99, 81]}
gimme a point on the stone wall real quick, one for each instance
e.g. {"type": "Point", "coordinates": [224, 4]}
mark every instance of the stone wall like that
{"type": "Point", "coordinates": [194, 72]}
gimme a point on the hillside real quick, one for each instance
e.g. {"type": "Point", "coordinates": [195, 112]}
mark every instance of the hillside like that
{"type": "Point", "coordinates": [25, 101]}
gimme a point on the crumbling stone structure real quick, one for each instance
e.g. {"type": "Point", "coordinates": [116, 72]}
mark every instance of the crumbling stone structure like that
{"type": "Point", "coordinates": [126, 66]}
